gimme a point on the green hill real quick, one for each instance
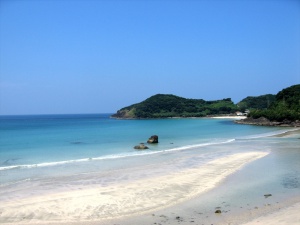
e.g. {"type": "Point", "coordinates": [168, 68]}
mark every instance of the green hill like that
{"type": "Point", "coordinates": [285, 107]}
{"type": "Point", "coordinates": [259, 102]}
{"type": "Point", "coordinates": [166, 105]}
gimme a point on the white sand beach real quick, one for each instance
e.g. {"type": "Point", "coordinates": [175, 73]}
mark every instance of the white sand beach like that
{"type": "Point", "coordinates": [103, 205]}
{"type": "Point", "coordinates": [168, 190]}
{"type": "Point", "coordinates": [230, 117]}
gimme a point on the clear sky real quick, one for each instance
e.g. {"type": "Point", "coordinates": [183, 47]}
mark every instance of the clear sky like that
{"type": "Point", "coordinates": [93, 56]}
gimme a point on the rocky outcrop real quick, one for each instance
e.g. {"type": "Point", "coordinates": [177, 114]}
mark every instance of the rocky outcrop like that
{"type": "Point", "coordinates": [262, 121]}
{"type": "Point", "coordinates": [153, 139]}
{"type": "Point", "coordinates": [124, 114]}
{"type": "Point", "coordinates": [141, 146]}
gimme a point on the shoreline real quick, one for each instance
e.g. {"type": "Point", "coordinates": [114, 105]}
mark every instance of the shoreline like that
{"type": "Point", "coordinates": [229, 117]}
{"type": "Point", "coordinates": [242, 120]}
{"type": "Point", "coordinates": [213, 116]}
{"type": "Point", "coordinates": [189, 195]}
{"type": "Point", "coordinates": [189, 213]}
{"type": "Point", "coordinates": [262, 121]}
{"type": "Point", "coordinates": [280, 211]}
{"type": "Point", "coordinates": [124, 200]}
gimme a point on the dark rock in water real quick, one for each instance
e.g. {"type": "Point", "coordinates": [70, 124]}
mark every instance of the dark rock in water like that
{"type": "Point", "coordinates": [141, 146]}
{"type": "Point", "coordinates": [267, 195]}
{"type": "Point", "coordinates": [218, 211]}
{"type": "Point", "coordinates": [153, 139]}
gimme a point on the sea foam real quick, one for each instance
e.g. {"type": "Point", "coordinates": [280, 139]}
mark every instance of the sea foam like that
{"type": "Point", "coordinates": [114, 156]}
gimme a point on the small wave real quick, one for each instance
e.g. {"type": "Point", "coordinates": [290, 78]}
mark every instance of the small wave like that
{"type": "Point", "coordinates": [48, 164]}
{"type": "Point", "coordinates": [44, 164]}
{"type": "Point", "coordinates": [268, 134]}
{"type": "Point", "coordinates": [115, 156]}
{"type": "Point", "coordinates": [199, 145]}
{"type": "Point", "coordinates": [15, 182]}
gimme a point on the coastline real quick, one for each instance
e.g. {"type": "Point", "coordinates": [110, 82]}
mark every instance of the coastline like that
{"type": "Point", "coordinates": [186, 195]}
{"type": "Point", "coordinates": [229, 117]}
{"type": "Point", "coordinates": [192, 212]}
{"type": "Point", "coordinates": [281, 210]}
{"type": "Point", "coordinates": [105, 204]}
{"type": "Point", "coordinates": [262, 121]}
{"type": "Point", "coordinates": [232, 117]}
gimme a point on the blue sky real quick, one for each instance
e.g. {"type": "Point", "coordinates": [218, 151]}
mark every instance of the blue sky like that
{"type": "Point", "coordinates": [85, 56]}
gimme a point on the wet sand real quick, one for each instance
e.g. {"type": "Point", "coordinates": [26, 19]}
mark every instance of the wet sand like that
{"type": "Point", "coordinates": [126, 202]}
{"type": "Point", "coordinates": [286, 216]}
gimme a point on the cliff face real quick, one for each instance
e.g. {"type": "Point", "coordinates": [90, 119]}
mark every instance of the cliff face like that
{"type": "Point", "coordinates": [123, 113]}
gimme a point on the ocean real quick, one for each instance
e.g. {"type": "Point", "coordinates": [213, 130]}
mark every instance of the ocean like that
{"type": "Point", "coordinates": [42, 154]}
{"type": "Point", "coordinates": [32, 142]}
{"type": "Point", "coordinates": [49, 140]}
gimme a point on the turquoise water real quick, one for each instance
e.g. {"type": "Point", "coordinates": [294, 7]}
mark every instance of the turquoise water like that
{"type": "Point", "coordinates": [30, 140]}
{"type": "Point", "coordinates": [45, 145]}
{"type": "Point", "coordinates": [40, 155]}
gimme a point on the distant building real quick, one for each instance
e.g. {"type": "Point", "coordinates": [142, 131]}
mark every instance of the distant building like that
{"type": "Point", "coordinates": [239, 113]}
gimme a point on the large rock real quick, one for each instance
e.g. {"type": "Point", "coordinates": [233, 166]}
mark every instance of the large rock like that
{"type": "Point", "coordinates": [141, 146]}
{"type": "Point", "coordinates": [153, 139]}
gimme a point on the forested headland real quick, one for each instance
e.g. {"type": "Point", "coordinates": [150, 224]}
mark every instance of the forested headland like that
{"type": "Point", "coordinates": [284, 106]}
{"type": "Point", "coordinates": [167, 105]}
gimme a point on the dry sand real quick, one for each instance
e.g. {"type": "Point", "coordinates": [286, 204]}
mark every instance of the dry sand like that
{"type": "Point", "coordinates": [102, 205]}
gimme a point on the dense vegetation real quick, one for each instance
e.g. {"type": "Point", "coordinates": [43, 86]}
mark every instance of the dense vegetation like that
{"type": "Point", "coordinates": [285, 107]}
{"type": "Point", "coordinates": [162, 106]}
{"type": "Point", "coordinates": [259, 102]}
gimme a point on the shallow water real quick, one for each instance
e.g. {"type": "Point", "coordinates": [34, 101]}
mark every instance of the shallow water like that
{"type": "Point", "coordinates": [84, 142]}
{"type": "Point", "coordinates": [241, 196]}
